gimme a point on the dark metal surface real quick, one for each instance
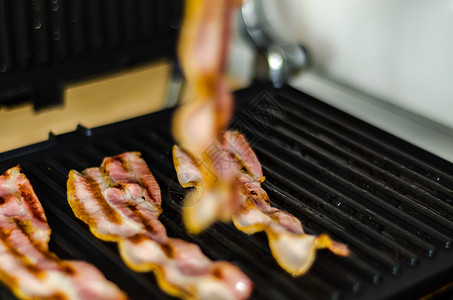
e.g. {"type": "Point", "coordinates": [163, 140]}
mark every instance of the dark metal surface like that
{"type": "Point", "coordinates": [45, 44]}
{"type": "Point", "coordinates": [387, 199]}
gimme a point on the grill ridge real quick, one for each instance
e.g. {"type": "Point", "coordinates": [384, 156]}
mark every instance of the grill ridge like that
{"type": "Point", "coordinates": [347, 190]}
{"type": "Point", "coordinates": [378, 189]}
{"type": "Point", "coordinates": [374, 171]}
{"type": "Point", "coordinates": [370, 251]}
{"type": "Point", "coordinates": [414, 163]}
{"type": "Point", "coordinates": [312, 217]}
{"type": "Point", "coordinates": [377, 160]}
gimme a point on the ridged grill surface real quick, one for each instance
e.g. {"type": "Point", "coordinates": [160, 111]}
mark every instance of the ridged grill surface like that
{"type": "Point", "coordinates": [390, 201]}
{"type": "Point", "coordinates": [46, 43]}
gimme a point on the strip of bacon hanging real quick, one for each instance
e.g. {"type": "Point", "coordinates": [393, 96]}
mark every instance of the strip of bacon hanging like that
{"type": "Point", "coordinates": [121, 202]}
{"type": "Point", "coordinates": [292, 248]}
{"type": "Point", "coordinates": [27, 267]}
{"type": "Point", "coordinates": [203, 52]}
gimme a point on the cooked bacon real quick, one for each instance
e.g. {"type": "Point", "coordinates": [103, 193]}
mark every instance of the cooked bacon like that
{"type": "Point", "coordinates": [27, 267]}
{"type": "Point", "coordinates": [212, 200]}
{"type": "Point", "coordinates": [292, 248]}
{"type": "Point", "coordinates": [203, 49]}
{"type": "Point", "coordinates": [203, 52]}
{"type": "Point", "coordinates": [120, 201]}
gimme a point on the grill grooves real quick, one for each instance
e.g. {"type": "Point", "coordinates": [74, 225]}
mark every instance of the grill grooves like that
{"type": "Point", "coordinates": [352, 240]}
{"type": "Point", "coordinates": [363, 181]}
{"type": "Point", "coordinates": [344, 185]}
{"type": "Point", "coordinates": [388, 200]}
{"type": "Point", "coordinates": [379, 163]}
{"type": "Point", "coordinates": [318, 147]}
{"type": "Point", "coordinates": [44, 44]}
{"type": "Point", "coordinates": [386, 145]}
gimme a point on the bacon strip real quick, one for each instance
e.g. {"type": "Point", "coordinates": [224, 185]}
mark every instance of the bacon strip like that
{"type": "Point", "coordinates": [203, 49]}
{"type": "Point", "coordinates": [292, 248]}
{"type": "Point", "coordinates": [125, 189]}
{"type": "Point", "coordinates": [203, 52]}
{"type": "Point", "coordinates": [27, 267]}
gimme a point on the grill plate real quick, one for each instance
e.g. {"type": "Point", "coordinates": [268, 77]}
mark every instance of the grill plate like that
{"type": "Point", "coordinates": [387, 199]}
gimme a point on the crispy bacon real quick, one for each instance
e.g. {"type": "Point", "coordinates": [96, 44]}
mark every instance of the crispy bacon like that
{"type": "Point", "coordinates": [120, 201]}
{"type": "Point", "coordinates": [292, 248]}
{"type": "Point", "coordinates": [203, 49]}
{"type": "Point", "coordinates": [27, 267]}
{"type": "Point", "coordinates": [203, 52]}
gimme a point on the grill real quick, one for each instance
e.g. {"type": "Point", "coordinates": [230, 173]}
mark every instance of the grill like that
{"type": "Point", "coordinates": [46, 44]}
{"type": "Point", "coordinates": [387, 199]}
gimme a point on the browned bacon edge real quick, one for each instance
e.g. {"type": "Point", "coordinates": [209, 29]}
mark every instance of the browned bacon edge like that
{"type": "Point", "coordinates": [203, 52]}
{"type": "Point", "coordinates": [27, 267]}
{"type": "Point", "coordinates": [120, 201]}
{"type": "Point", "coordinates": [292, 248]}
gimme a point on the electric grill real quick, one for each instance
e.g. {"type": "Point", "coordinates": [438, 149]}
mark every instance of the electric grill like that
{"type": "Point", "coordinates": [387, 199]}
{"type": "Point", "coordinates": [46, 44]}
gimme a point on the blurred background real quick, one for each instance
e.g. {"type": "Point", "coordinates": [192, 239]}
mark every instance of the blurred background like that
{"type": "Point", "coordinates": [389, 62]}
{"type": "Point", "coordinates": [400, 51]}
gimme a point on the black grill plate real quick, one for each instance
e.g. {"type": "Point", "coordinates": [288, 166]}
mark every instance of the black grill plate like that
{"type": "Point", "coordinates": [390, 201]}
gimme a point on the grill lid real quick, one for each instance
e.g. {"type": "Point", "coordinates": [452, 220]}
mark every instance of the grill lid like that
{"type": "Point", "coordinates": [45, 45]}
{"type": "Point", "coordinates": [387, 199]}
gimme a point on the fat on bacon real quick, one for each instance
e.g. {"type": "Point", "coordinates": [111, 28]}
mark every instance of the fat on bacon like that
{"type": "Point", "coordinates": [27, 267]}
{"type": "Point", "coordinates": [121, 202]}
{"type": "Point", "coordinates": [208, 105]}
{"type": "Point", "coordinates": [248, 203]}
